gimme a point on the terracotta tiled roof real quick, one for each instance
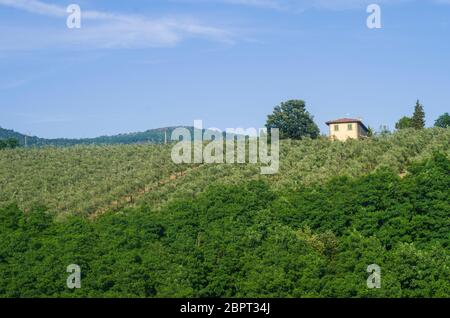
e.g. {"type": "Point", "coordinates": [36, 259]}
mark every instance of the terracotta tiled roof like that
{"type": "Point", "coordinates": [346, 120]}
{"type": "Point", "coordinates": [343, 121]}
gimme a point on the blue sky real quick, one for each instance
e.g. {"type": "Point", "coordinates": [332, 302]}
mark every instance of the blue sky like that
{"type": "Point", "coordinates": [136, 65]}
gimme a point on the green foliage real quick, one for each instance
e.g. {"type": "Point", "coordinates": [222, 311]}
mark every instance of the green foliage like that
{"type": "Point", "coordinates": [418, 118]}
{"type": "Point", "coordinates": [443, 121]}
{"type": "Point", "coordinates": [10, 143]}
{"type": "Point", "coordinates": [403, 123]}
{"type": "Point", "coordinates": [293, 120]}
{"type": "Point", "coordinates": [417, 121]}
{"type": "Point", "coordinates": [81, 179]}
{"type": "Point", "coordinates": [246, 240]}
{"type": "Point", "coordinates": [85, 180]}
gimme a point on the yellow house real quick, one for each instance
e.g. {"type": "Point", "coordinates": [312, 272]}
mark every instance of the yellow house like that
{"type": "Point", "coordinates": [345, 128]}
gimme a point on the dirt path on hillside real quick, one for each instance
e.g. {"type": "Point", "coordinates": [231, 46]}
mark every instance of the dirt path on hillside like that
{"type": "Point", "coordinates": [130, 199]}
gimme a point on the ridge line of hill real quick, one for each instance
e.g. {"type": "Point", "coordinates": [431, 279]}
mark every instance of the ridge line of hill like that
{"type": "Point", "coordinates": [151, 136]}
{"type": "Point", "coordinates": [154, 136]}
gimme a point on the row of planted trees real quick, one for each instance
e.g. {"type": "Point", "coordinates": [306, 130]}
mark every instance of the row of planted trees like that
{"type": "Point", "coordinates": [87, 179]}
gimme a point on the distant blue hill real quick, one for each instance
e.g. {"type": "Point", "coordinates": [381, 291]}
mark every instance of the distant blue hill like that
{"type": "Point", "coordinates": [153, 136]}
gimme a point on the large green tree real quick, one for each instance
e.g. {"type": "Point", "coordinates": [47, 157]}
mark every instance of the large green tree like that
{"type": "Point", "coordinates": [418, 119]}
{"type": "Point", "coordinates": [403, 123]}
{"type": "Point", "coordinates": [293, 120]}
{"type": "Point", "coordinates": [443, 121]}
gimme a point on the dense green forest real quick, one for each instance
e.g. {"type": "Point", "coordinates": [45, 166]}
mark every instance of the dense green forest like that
{"type": "Point", "coordinates": [140, 226]}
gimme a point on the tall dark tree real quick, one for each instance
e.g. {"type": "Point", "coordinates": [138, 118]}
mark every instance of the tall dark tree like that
{"type": "Point", "coordinates": [293, 120]}
{"type": "Point", "coordinates": [418, 119]}
{"type": "Point", "coordinates": [443, 121]}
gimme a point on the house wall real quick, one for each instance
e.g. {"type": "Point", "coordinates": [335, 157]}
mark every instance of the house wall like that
{"type": "Point", "coordinates": [343, 133]}
{"type": "Point", "coordinates": [361, 131]}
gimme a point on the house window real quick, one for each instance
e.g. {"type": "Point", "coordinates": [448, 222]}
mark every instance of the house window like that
{"type": "Point", "coordinates": [350, 126]}
{"type": "Point", "coordinates": [336, 127]}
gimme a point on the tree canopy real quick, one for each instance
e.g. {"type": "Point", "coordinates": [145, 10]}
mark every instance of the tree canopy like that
{"type": "Point", "coordinates": [246, 240]}
{"type": "Point", "coordinates": [226, 230]}
{"type": "Point", "coordinates": [293, 120]}
{"type": "Point", "coordinates": [443, 121]}
{"type": "Point", "coordinates": [9, 143]}
{"type": "Point", "coordinates": [416, 121]}
{"type": "Point", "coordinates": [418, 118]}
{"type": "Point", "coordinates": [403, 123]}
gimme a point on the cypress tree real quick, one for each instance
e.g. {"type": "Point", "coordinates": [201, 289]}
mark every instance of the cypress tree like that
{"type": "Point", "coordinates": [418, 119]}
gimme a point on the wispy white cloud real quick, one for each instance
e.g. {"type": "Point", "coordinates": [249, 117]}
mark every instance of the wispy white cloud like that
{"type": "Point", "coordinates": [270, 4]}
{"type": "Point", "coordinates": [103, 30]}
{"type": "Point", "coordinates": [106, 30]}
{"type": "Point", "coordinates": [35, 7]}
{"type": "Point", "coordinates": [301, 5]}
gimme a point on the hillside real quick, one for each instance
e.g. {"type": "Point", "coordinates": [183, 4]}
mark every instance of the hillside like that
{"type": "Point", "coordinates": [141, 226]}
{"type": "Point", "coordinates": [150, 136]}
{"type": "Point", "coordinates": [86, 179]}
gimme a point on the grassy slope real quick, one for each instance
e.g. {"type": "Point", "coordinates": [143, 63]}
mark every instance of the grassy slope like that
{"type": "Point", "coordinates": [89, 180]}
